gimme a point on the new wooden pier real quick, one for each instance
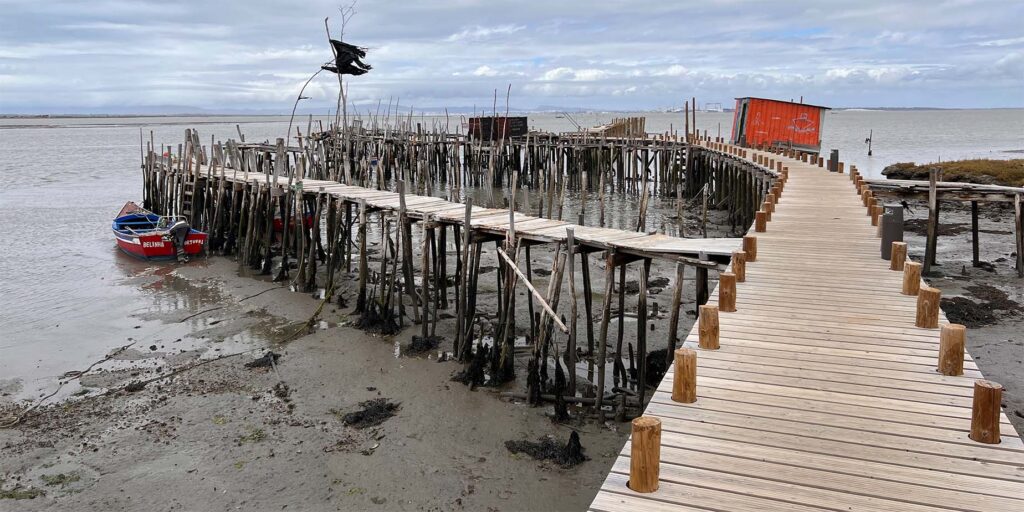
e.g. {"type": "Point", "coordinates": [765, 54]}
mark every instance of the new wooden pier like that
{"type": "Point", "coordinates": [823, 394]}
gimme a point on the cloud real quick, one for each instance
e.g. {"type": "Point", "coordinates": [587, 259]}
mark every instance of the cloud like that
{"type": "Point", "coordinates": [576, 75]}
{"type": "Point", "coordinates": [485, 71]}
{"type": "Point", "coordinates": [477, 32]}
{"type": "Point", "coordinates": [457, 52]}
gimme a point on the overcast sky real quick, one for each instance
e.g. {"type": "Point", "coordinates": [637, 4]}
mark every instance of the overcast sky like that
{"type": "Point", "coordinates": [110, 55]}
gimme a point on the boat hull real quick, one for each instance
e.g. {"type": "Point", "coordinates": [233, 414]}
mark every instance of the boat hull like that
{"type": "Point", "coordinates": [156, 247]}
{"type": "Point", "coordinates": [145, 235]}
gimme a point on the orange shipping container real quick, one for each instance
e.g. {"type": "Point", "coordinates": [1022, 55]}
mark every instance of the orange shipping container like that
{"type": "Point", "coordinates": [764, 122]}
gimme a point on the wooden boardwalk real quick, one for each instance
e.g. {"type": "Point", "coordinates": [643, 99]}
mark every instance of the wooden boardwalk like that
{"type": "Point", "coordinates": [535, 229]}
{"type": "Point", "coordinates": [823, 395]}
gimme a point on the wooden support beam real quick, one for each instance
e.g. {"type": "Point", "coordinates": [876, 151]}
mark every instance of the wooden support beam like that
{"type": "Point", "coordinates": [933, 222]}
{"type": "Point", "coordinates": [536, 294]}
{"type": "Point", "coordinates": [975, 260]}
{"type": "Point", "coordinates": [1019, 222]}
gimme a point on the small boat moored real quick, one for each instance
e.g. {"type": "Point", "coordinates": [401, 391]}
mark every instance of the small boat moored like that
{"type": "Point", "coordinates": [144, 234]}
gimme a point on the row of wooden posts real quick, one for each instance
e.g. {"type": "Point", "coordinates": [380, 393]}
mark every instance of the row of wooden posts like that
{"type": "Point", "coordinates": [645, 447]}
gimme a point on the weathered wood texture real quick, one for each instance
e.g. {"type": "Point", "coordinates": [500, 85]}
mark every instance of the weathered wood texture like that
{"type": "Point", "coordinates": [823, 394]}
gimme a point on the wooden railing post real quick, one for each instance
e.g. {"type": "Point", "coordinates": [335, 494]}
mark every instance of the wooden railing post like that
{"type": "Point", "coordinates": [985, 411]}
{"type": "Point", "coordinates": [708, 328]}
{"type": "Point", "coordinates": [727, 292]}
{"type": "Point", "coordinates": [911, 278]}
{"type": "Point", "coordinates": [951, 349]}
{"type": "Point", "coordinates": [645, 454]}
{"type": "Point", "coordinates": [760, 221]}
{"type": "Point", "coordinates": [928, 307]}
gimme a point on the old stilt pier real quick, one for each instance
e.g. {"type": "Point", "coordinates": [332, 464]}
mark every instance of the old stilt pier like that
{"type": "Point", "coordinates": [817, 375]}
{"type": "Point", "coordinates": [310, 212]}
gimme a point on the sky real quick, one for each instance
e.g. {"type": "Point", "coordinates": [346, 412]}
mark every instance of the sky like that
{"type": "Point", "coordinates": [115, 56]}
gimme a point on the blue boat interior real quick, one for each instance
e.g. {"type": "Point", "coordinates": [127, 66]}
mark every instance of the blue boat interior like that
{"type": "Point", "coordinates": [136, 222]}
{"type": "Point", "coordinates": [140, 223]}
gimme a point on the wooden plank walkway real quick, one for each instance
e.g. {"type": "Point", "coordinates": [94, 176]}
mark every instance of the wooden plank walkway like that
{"type": "Point", "coordinates": [823, 395]}
{"type": "Point", "coordinates": [496, 221]}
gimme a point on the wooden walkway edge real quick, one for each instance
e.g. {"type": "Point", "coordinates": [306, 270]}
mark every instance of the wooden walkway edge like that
{"type": "Point", "coordinates": [823, 394]}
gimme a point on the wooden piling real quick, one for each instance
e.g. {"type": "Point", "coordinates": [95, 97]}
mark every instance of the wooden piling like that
{"type": "Point", "coordinates": [727, 292]}
{"type": "Point", "coordinates": [708, 327]}
{"type": "Point", "coordinates": [928, 307]}
{"type": "Point", "coordinates": [898, 256]}
{"type": "Point", "coordinates": [911, 278]}
{"type": "Point", "coordinates": [760, 221]}
{"type": "Point", "coordinates": [985, 411]}
{"type": "Point", "coordinates": [739, 265]}
{"type": "Point", "coordinates": [684, 377]}
{"type": "Point", "coordinates": [645, 454]}
{"type": "Point", "coordinates": [750, 247]}
{"type": "Point", "coordinates": [951, 349]}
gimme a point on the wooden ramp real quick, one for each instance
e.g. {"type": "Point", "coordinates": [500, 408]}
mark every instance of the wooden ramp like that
{"type": "Point", "coordinates": [823, 395]}
{"type": "Point", "coordinates": [497, 222]}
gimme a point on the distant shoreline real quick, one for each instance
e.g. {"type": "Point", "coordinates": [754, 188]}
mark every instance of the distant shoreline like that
{"type": "Point", "coordinates": [436, 112]}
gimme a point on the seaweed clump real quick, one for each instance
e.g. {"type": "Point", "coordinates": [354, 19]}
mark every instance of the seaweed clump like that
{"type": "Point", "coordinates": [371, 413]}
{"type": "Point", "coordinates": [546, 448]}
{"type": "Point", "coordinates": [377, 319]}
{"type": "Point", "coordinates": [475, 373]}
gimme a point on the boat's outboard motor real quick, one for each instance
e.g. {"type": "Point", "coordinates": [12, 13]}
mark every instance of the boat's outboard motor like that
{"type": "Point", "coordinates": [179, 233]}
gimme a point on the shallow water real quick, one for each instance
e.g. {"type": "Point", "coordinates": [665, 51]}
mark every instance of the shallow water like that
{"type": "Point", "coordinates": [68, 296]}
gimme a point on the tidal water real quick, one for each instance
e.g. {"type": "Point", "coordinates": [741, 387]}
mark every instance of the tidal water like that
{"type": "Point", "coordinates": [68, 296]}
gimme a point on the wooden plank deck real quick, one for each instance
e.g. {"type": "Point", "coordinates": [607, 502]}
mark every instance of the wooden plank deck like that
{"type": "Point", "coordinates": [823, 395]}
{"type": "Point", "coordinates": [496, 221]}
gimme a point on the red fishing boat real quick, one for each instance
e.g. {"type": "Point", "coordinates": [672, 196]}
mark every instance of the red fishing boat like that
{"type": "Point", "coordinates": [149, 236]}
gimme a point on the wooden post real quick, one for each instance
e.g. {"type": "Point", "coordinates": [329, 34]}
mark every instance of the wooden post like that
{"type": "Point", "coordinates": [928, 307]}
{"type": "Point", "coordinates": [708, 327]}
{"type": "Point", "coordinates": [750, 247]}
{"type": "Point", "coordinates": [570, 348]}
{"type": "Point", "coordinates": [739, 265]}
{"type": "Point", "coordinates": [606, 313]}
{"type": "Point", "coordinates": [911, 278]}
{"type": "Point", "coordinates": [645, 454]}
{"type": "Point", "coordinates": [898, 256]}
{"type": "Point", "coordinates": [951, 349]}
{"type": "Point", "coordinates": [727, 292]}
{"type": "Point", "coordinates": [975, 260]}
{"type": "Point", "coordinates": [876, 212]}
{"type": "Point", "coordinates": [1019, 222]}
{"type": "Point", "coordinates": [760, 221]}
{"type": "Point", "coordinates": [933, 221]}
{"type": "Point", "coordinates": [684, 378]}
{"type": "Point", "coordinates": [985, 411]}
